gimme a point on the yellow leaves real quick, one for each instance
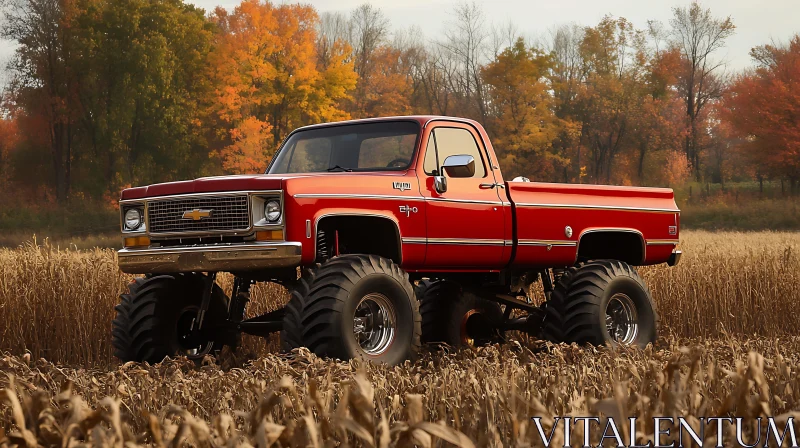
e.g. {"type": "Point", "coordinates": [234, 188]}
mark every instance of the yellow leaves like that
{"type": "Point", "coordinates": [525, 126]}
{"type": "Point", "coordinates": [247, 153]}
{"type": "Point", "coordinates": [268, 81]}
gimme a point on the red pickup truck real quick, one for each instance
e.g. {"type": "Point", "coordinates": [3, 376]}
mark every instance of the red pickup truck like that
{"type": "Point", "coordinates": [389, 233]}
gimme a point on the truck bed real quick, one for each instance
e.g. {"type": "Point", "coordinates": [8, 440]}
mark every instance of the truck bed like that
{"type": "Point", "coordinates": [550, 219]}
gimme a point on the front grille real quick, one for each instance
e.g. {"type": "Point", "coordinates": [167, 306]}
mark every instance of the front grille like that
{"type": "Point", "coordinates": [228, 213]}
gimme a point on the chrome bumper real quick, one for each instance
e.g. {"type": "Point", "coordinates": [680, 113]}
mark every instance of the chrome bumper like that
{"type": "Point", "coordinates": [233, 257]}
{"type": "Point", "coordinates": [674, 258]}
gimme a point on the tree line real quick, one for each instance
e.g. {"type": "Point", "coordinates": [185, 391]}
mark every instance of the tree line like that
{"type": "Point", "coordinates": [104, 94]}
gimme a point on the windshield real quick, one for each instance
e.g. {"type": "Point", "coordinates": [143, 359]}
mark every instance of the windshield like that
{"type": "Point", "coordinates": [381, 146]}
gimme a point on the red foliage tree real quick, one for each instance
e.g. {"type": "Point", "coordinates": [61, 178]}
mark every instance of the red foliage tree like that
{"type": "Point", "coordinates": [764, 106]}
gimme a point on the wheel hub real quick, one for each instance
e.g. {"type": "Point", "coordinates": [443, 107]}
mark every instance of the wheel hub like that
{"type": "Point", "coordinates": [622, 320]}
{"type": "Point", "coordinates": [466, 337]}
{"type": "Point", "coordinates": [374, 324]}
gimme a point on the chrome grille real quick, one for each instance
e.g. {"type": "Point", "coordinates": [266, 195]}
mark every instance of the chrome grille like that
{"type": "Point", "coordinates": [228, 213]}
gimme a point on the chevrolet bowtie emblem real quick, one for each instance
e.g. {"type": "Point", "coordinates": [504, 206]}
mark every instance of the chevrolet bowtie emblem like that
{"type": "Point", "coordinates": [197, 214]}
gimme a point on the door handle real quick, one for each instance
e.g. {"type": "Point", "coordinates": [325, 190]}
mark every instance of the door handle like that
{"type": "Point", "coordinates": [492, 185]}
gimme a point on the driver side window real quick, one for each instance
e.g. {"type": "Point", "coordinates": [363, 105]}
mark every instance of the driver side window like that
{"type": "Point", "coordinates": [450, 142]}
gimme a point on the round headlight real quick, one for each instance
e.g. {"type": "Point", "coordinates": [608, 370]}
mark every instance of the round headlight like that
{"type": "Point", "coordinates": [272, 211]}
{"type": "Point", "coordinates": [133, 219]}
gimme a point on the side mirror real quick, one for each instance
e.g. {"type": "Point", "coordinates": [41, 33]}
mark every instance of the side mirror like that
{"type": "Point", "coordinates": [459, 166]}
{"type": "Point", "coordinates": [440, 184]}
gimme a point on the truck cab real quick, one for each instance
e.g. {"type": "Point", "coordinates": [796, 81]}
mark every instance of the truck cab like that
{"type": "Point", "coordinates": [412, 213]}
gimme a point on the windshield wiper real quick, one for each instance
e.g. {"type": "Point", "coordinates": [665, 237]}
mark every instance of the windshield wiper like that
{"type": "Point", "coordinates": [337, 167]}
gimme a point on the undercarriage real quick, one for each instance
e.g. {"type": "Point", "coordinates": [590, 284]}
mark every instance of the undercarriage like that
{"type": "Point", "coordinates": [365, 306]}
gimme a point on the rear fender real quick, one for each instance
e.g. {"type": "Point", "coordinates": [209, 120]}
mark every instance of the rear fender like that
{"type": "Point", "coordinates": [614, 230]}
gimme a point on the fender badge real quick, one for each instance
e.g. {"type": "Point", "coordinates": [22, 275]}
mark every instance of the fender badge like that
{"type": "Point", "coordinates": [408, 210]}
{"type": "Point", "coordinates": [568, 231]}
{"type": "Point", "coordinates": [402, 186]}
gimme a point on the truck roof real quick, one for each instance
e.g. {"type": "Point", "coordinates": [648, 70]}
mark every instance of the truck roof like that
{"type": "Point", "coordinates": [421, 119]}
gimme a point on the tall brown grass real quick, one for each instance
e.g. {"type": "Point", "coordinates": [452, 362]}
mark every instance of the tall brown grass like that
{"type": "Point", "coordinates": [58, 303]}
{"type": "Point", "coordinates": [482, 397]}
{"type": "Point", "coordinates": [730, 283]}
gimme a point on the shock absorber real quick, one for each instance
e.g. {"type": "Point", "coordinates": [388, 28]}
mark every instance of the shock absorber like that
{"type": "Point", "coordinates": [547, 283]}
{"type": "Point", "coordinates": [239, 299]}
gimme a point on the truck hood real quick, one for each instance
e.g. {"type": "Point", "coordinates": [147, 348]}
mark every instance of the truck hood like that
{"type": "Point", "coordinates": [248, 182]}
{"type": "Point", "coordinates": [259, 182]}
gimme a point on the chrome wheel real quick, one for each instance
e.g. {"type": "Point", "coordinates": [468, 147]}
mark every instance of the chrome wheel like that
{"type": "Point", "coordinates": [622, 320]}
{"type": "Point", "coordinates": [374, 324]}
{"type": "Point", "coordinates": [190, 345]}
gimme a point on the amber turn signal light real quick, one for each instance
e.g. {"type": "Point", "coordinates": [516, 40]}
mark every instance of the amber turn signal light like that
{"type": "Point", "coordinates": [269, 235]}
{"type": "Point", "coordinates": [136, 241]}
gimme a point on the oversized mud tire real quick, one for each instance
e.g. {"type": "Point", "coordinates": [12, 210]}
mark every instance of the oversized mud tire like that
{"type": "Point", "coordinates": [604, 302]}
{"type": "Point", "coordinates": [553, 324]}
{"type": "Point", "coordinates": [292, 330]}
{"type": "Point", "coordinates": [156, 313]}
{"type": "Point", "coordinates": [361, 306]}
{"type": "Point", "coordinates": [456, 318]}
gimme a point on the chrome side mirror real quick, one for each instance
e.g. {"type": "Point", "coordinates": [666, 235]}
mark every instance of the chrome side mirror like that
{"type": "Point", "coordinates": [459, 166]}
{"type": "Point", "coordinates": [440, 184]}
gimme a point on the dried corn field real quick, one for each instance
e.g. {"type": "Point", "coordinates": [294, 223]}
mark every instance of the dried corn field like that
{"type": "Point", "coordinates": [58, 304]}
{"type": "Point", "coordinates": [307, 401]}
{"type": "Point", "coordinates": [728, 318]}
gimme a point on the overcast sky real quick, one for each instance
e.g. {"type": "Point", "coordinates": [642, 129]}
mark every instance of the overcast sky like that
{"type": "Point", "coordinates": [757, 22]}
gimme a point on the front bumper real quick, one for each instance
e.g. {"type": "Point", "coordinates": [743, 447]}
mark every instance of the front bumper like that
{"type": "Point", "coordinates": [210, 258]}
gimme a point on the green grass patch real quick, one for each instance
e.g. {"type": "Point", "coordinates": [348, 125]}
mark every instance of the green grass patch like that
{"type": "Point", "coordinates": [753, 214]}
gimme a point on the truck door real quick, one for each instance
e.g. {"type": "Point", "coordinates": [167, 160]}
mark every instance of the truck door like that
{"type": "Point", "coordinates": [465, 222]}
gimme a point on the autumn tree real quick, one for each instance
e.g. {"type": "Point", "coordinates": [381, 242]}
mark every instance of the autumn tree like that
{"type": "Point", "coordinates": [142, 89]}
{"type": "Point", "coordinates": [384, 85]}
{"type": "Point", "coordinates": [764, 106]}
{"type": "Point", "coordinates": [268, 80]}
{"type": "Point", "coordinates": [9, 138]}
{"type": "Point", "coordinates": [332, 39]}
{"type": "Point", "coordinates": [566, 79]}
{"type": "Point", "coordinates": [613, 53]}
{"type": "Point", "coordinates": [659, 125]}
{"type": "Point", "coordinates": [41, 80]}
{"type": "Point", "coordinates": [461, 56]}
{"type": "Point", "coordinates": [524, 124]}
{"type": "Point", "coordinates": [115, 87]}
{"type": "Point", "coordinates": [699, 36]}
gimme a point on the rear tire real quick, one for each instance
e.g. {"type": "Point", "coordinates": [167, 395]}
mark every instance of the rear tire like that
{"type": "Point", "coordinates": [154, 316]}
{"type": "Point", "coordinates": [553, 325]}
{"type": "Point", "coordinates": [352, 303]}
{"type": "Point", "coordinates": [456, 318]}
{"type": "Point", "coordinates": [605, 302]}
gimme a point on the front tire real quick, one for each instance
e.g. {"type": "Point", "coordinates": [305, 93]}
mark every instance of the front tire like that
{"type": "Point", "coordinates": [360, 306]}
{"type": "Point", "coordinates": [154, 318]}
{"type": "Point", "coordinates": [605, 302]}
{"type": "Point", "coordinates": [292, 330]}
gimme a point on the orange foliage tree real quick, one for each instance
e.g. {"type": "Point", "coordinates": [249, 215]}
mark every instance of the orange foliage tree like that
{"type": "Point", "coordinates": [386, 90]}
{"type": "Point", "coordinates": [764, 106]}
{"type": "Point", "coordinates": [268, 81]}
{"type": "Point", "coordinates": [524, 125]}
